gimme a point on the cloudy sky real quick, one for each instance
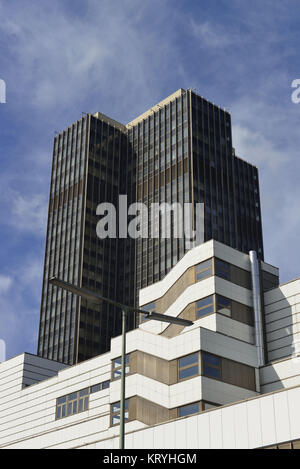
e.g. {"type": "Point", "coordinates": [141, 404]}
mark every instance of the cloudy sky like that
{"type": "Point", "coordinates": [60, 58]}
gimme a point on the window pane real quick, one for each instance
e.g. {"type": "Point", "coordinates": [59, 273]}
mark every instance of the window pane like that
{"type": "Point", "coordinates": [105, 384]}
{"type": "Point", "coordinates": [58, 412]}
{"type": "Point", "coordinates": [189, 409]}
{"type": "Point", "coordinates": [116, 407]}
{"type": "Point", "coordinates": [62, 400]}
{"type": "Point", "coordinates": [223, 305]}
{"type": "Point", "coordinates": [205, 302]}
{"type": "Point", "coordinates": [204, 274]}
{"type": "Point", "coordinates": [204, 311]}
{"type": "Point", "coordinates": [211, 359]}
{"type": "Point", "coordinates": [222, 269]}
{"type": "Point", "coordinates": [188, 360]}
{"type": "Point", "coordinates": [118, 361]}
{"type": "Point", "coordinates": [203, 265]}
{"type": "Point", "coordinates": [187, 372]}
{"type": "Point", "coordinates": [222, 264]}
{"type": "Point", "coordinates": [73, 396]}
{"type": "Point", "coordinates": [222, 301]}
{"type": "Point", "coordinates": [84, 392]}
{"type": "Point", "coordinates": [211, 372]}
{"type": "Point", "coordinates": [223, 274]}
{"type": "Point", "coordinates": [95, 388]}
{"type": "Point", "coordinates": [117, 373]}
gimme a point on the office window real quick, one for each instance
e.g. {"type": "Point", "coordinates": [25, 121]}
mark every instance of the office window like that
{"type": "Point", "coordinates": [77, 401]}
{"type": "Point", "coordinates": [205, 306]}
{"type": "Point", "coordinates": [211, 366]}
{"type": "Point", "coordinates": [188, 366]}
{"type": "Point", "coordinates": [117, 367]}
{"type": "Point", "coordinates": [222, 269]}
{"type": "Point", "coordinates": [72, 403]}
{"type": "Point", "coordinates": [61, 407]}
{"type": "Point", "coordinates": [99, 387]}
{"type": "Point", "coordinates": [203, 270]}
{"type": "Point", "coordinates": [115, 412]}
{"type": "Point", "coordinates": [224, 305]}
{"type": "Point", "coordinates": [189, 409]}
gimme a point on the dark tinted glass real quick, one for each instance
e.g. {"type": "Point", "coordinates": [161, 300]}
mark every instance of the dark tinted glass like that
{"type": "Point", "coordinates": [187, 372]}
{"type": "Point", "coordinates": [222, 269]}
{"type": "Point", "coordinates": [204, 302]}
{"type": "Point", "coordinates": [222, 301]}
{"type": "Point", "coordinates": [204, 311]}
{"type": "Point", "coordinates": [189, 409]}
{"type": "Point", "coordinates": [61, 400]}
{"type": "Point", "coordinates": [188, 360]}
{"type": "Point", "coordinates": [95, 388]}
{"type": "Point", "coordinates": [211, 359]}
{"type": "Point", "coordinates": [105, 384]}
{"type": "Point", "coordinates": [203, 265]}
{"type": "Point", "coordinates": [211, 372]}
{"type": "Point", "coordinates": [118, 361]}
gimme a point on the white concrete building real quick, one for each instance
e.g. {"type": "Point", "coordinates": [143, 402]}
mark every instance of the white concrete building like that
{"type": "Point", "coordinates": [201, 386]}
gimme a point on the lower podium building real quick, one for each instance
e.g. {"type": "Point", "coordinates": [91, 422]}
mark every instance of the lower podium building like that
{"type": "Point", "coordinates": [231, 380]}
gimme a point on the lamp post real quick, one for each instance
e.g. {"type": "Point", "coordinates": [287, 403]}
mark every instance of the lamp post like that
{"type": "Point", "coordinates": [98, 299]}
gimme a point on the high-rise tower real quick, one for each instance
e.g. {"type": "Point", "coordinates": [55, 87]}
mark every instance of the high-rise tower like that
{"type": "Point", "coordinates": [89, 167]}
{"type": "Point", "coordinates": [178, 151]}
{"type": "Point", "coordinates": [184, 153]}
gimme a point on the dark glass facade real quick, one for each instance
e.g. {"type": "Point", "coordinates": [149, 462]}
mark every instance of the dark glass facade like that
{"type": "Point", "coordinates": [162, 145]}
{"type": "Point", "coordinates": [180, 151]}
{"type": "Point", "coordinates": [89, 167]}
{"type": "Point", "coordinates": [184, 154]}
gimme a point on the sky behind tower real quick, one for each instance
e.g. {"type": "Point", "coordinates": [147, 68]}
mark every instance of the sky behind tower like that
{"type": "Point", "coordinates": [61, 58]}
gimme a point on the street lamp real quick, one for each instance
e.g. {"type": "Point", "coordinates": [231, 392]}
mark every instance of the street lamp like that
{"type": "Point", "coordinates": [98, 299]}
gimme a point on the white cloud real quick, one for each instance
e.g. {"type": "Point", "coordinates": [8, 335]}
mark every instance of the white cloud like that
{"type": "Point", "coordinates": [29, 213]}
{"type": "Point", "coordinates": [5, 283]}
{"type": "Point", "coordinates": [25, 213]}
{"type": "Point", "coordinates": [63, 58]}
{"type": "Point", "coordinates": [263, 135]}
{"type": "Point", "coordinates": [211, 35]}
{"type": "Point", "coordinates": [253, 146]}
{"type": "Point", "coordinates": [19, 307]}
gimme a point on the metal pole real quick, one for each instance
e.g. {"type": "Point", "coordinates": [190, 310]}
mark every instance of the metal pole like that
{"type": "Point", "coordinates": [122, 399]}
{"type": "Point", "coordinates": [259, 338]}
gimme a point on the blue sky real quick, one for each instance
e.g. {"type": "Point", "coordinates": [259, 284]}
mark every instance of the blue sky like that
{"type": "Point", "coordinates": [60, 58]}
